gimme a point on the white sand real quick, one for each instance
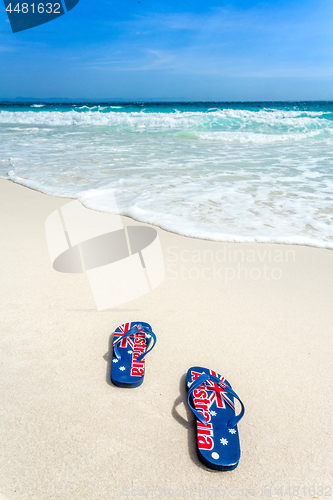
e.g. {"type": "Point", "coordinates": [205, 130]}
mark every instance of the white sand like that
{"type": "Point", "coordinates": [67, 433]}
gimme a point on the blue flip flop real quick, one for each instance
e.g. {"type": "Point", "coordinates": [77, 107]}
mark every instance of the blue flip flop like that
{"type": "Point", "coordinates": [211, 399]}
{"type": "Point", "coordinates": [130, 346]}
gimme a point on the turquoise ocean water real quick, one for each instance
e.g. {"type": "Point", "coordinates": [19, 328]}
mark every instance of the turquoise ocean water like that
{"type": "Point", "coordinates": [222, 171]}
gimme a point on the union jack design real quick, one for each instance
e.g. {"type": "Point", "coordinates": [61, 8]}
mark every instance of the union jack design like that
{"type": "Point", "coordinates": [215, 392]}
{"type": "Point", "coordinates": [128, 341]}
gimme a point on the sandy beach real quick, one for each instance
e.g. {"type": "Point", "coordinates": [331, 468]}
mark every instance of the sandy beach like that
{"type": "Point", "coordinates": [259, 314]}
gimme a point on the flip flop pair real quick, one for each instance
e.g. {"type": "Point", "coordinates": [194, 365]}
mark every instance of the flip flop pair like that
{"type": "Point", "coordinates": [209, 395]}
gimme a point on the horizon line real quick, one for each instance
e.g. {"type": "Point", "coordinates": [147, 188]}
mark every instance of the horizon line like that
{"type": "Point", "coordinates": [162, 100]}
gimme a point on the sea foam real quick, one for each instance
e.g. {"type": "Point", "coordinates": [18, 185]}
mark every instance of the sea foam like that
{"type": "Point", "coordinates": [221, 173]}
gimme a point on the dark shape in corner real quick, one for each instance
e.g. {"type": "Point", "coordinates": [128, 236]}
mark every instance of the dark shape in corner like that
{"type": "Point", "coordinates": [70, 4]}
{"type": "Point", "coordinates": [23, 16]}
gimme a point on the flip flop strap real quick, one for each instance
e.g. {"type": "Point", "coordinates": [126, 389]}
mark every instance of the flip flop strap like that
{"type": "Point", "coordinates": [201, 380]}
{"type": "Point", "coordinates": [143, 329]}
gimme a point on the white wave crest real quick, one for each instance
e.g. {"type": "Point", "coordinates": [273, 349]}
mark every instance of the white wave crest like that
{"type": "Point", "coordinates": [211, 120]}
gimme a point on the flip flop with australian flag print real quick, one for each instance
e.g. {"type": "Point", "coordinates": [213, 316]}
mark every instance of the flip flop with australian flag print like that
{"type": "Point", "coordinates": [131, 343]}
{"type": "Point", "coordinates": [211, 399]}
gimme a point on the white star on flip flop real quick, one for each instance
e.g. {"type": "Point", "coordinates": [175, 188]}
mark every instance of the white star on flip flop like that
{"type": "Point", "coordinates": [122, 368]}
{"type": "Point", "coordinates": [213, 413]}
{"type": "Point", "coordinates": [232, 431]}
{"type": "Point", "coordinates": [130, 352]}
{"type": "Point", "coordinates": [115, 360]}
{"type": "Point", "coordinates": [223, 441]}
{"type": "Point", "coordinates": [148, 335]}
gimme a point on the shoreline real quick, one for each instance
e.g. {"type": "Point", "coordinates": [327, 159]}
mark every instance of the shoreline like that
{"type": "Point", "coordinates": [308, 242]}
{"type": "Point", "coordinates": [69, 433]}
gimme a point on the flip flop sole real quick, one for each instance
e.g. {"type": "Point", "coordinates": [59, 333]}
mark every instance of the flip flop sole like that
{"type": "Point", "coordinates": [214, 466]}
{"type": "Point", "coordinates": [122, 384]}
{"type": "Point", "coordinates": [218, 445]}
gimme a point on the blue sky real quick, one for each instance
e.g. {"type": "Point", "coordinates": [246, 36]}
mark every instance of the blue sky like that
{"type": "Point", "coordinates": [186, 50]}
